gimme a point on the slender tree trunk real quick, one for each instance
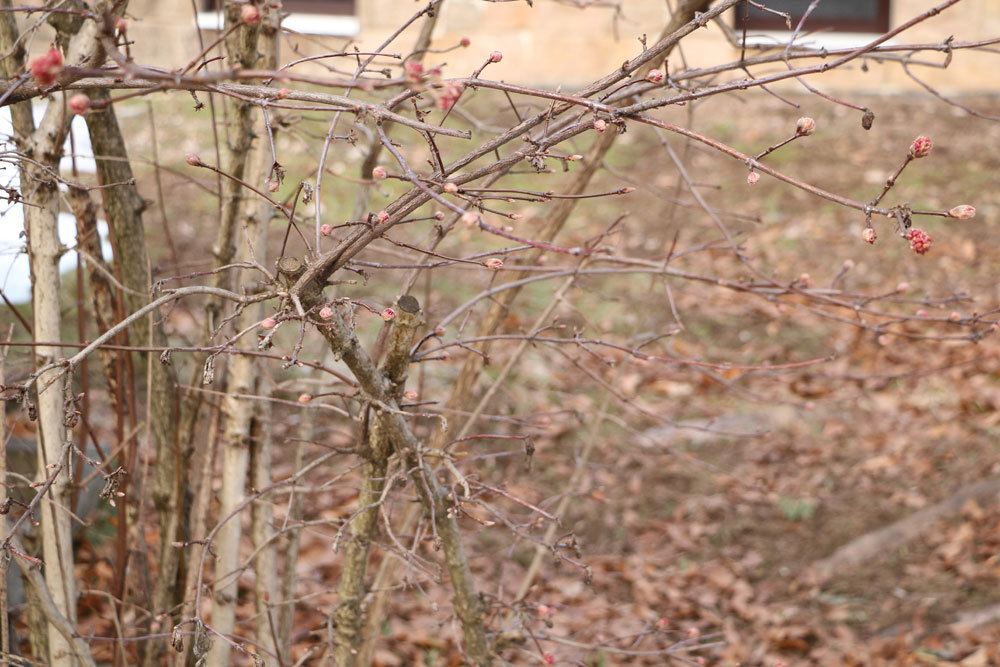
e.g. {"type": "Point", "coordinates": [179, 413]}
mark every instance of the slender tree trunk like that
{"type": "Point", "coordinates": [237, 411]}
{"type": "Point", "coordinates": [292, 541]}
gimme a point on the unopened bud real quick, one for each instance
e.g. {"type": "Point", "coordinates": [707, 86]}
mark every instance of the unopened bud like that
{"type": "Point", "coordinates": [496, 57]}
{"type": "Point", "coordinates": [464, 42]}
{"type": "Point", "coordinates": [193, 160]}
{"type": "Point", "coordinates": [752, 178]}
{"type": "Point", "coordinates": [869, 235]}
{"type": "Point", "coordinates": [305, 398]}
{"type": "Point", "coordinates": [388, 314]}
{"type": "Point", "coordinates": [963, 212]}
{"type": "Point", "coordinates": [282, 93]}
{"type": "Point", "coordinates": [268, 323]}
{"type": "Point", "coordinates": [470, 219]}
{"type": "Point", "coordinates": [805, 126]}
{"type": "Point", "coordinates": [655, 76]}
{"type": "Point", "coordinates": [326, 312]}
{"type": "Point", "coordinates": [382, 217]}
{"type": "Point", "coordinates": [450, 188]}
{"type": "Point", "coordinates": [438, 215]}
{"type": "Point", "coordinates": [494, 263]}
{"type": "Point", "coordinates": [600, 125]}
{"type": "Point", "coordinates": [921, 146]}
{"type": "Point", "coordinates": [379, 173]}
{"type": "Point", "coordinates": [250, 15]}
{"type": "Point", "coordinates": [326, 230]}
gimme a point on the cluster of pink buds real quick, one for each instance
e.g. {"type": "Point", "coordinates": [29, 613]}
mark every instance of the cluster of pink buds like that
{"type": "Point", "coordinates": [448, 95]}
{"type": "Point", "coordinates": [414, 71]}
{"type": "Point", "coordinates": [963, 212]}
{"type": "Point", "coordinates": [920, 241]}
{"type": "Point", "coordinates": [79, 104]}
{"type": "Point", "coordinates": [869, 235]}
{"type": "Point", "coordinates": [46, 67]}
{"type": "Point", "coordinates": [805, 126]}
{"type": "Point", "coordinates": [250, 15]}
{"type": "Point", "coordinates": [921, 147]}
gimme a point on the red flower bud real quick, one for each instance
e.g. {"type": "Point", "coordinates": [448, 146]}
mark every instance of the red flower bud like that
{"type": "Point", "coordinates": [496, 57]}
{"type": "Point", "coordinates": [655, 76]}
{"type": "Point", "coordinates": [438, 215]}
{"type": "Point", "coordinates": [464, 42]}
{"type": "Point", "coordinates": [920, 241]}
{"type": "Point", "coordinates": [869, 235]}
{"type": "Point", "coordinates": [79, 104]}
{"type": "Point", "coordinates": [250, 15]}
{"type": "Point", "coordinates": [326, 312]}
{"type": "Point", "coordinates": [46, 67]}
{"type": "Point", "coordinates": [388, 314]}
{"type": "Point", "coordinates": [379, 173]}
{"type": "Point", "coordinates": [382, 216]}
{"type": "Point", "coordinates": [414, 71]}
{"type": "Point", "coordinates": [325, 230]}
{"type": "Point", "coordinates": [921, 146]}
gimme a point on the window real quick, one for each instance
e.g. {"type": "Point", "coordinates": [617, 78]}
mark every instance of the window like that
{"type": "Point", "coordinates": [859, 16]}
{"type": "Point", "coordinates": [312, 17]}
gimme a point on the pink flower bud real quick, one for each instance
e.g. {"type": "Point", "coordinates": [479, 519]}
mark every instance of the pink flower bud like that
{"type": "Point", "coordinates": [464, 42]}
{"type": "Point", "coordinates": [438, 215]}
{"type": "Point", "coordinates": [805, 126]}
{"type": "Point", "coordinates": [600, 125]}
{"type": "Point", "coordinates": [193, 160]}
{"type": "Point", "coordinates": [282, 94]}
{"type": "Point", "coordinates": [46, 67]}
{"type": "Point", "coordinates": [963, 212]}
{"type": "Point", "coordinates": [496, 57]}
{"type": "Point", "coordinates": [414, 71]}
{"type": "Point", "coordinates": [79, 104]}
{"type": "Point", "coordinates": [268, 323]}
{"type": "Point", "coordinates": [388, 314]}
{"type": "Point", "coordinates": [305, 398]}
{"type": "Point", "coordinates": [494, 263]}
{"type": "Point", "coordinates": [921, 146]}
{"type": "Point", "coordinates": [955, 316]}
{"type": "Point", "coordinates": [410, 395]}
{"type": "Point", "coordinates": [752, 178]}
{"type": "Point", "coordinates": [325, 313]}
{"type": "Point", "coordinates": [439, 331]}
{"type": "Point", "coordinates": [869, 235]}
{"type": "Point", "coordinates": [903, 287]}
{"type": "Point", "coordinates": [250, 15]}
{"type": "Point", "coordinates": [325, 230]}
{"type": "Point", "coordinates": [549, 659]}
{"type": "Point", "coordinates": [382, 217]}
{"type": "Point", "coordinates": [470, 219]}
{"type": "Point", "coordinates": [575, 157]}
{"type": "Point", "coordinates": [121, 25]}
{"type": "Point", "coordinates": [450, 188]}
{"type": "Point", "coordinates": [655, 76]}
{"type": "Point", "coordinates": [379, 173]}
{"type": "Point", "coordinates": [920, 241]}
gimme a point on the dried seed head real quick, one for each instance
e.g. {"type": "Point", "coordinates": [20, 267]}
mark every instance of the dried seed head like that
{"type": "Point", "coordinates": [388, 314]}
{"type": "Point", "coordinates": [250, 15]}
{"type": "Point", "coordinates": [963, 212]}
{"type": "Point", "coordinates": [496, 57]}
{"type": "Point", "coordinates": [79, 104]}
{"type": "Point", "coordinates": [869, 235]}
{"type": "Point", "coordinates": [752, 178]}
{"type": "Point", "coordinates": [379, 173]}
{"type": "Point", "coordinates": [920, 241]}
{"type": "Point", "coordinates": [326, 230]}
{"type": "Point", "coordinates": [805, 126]}
{"type": "Point", "coordinates": [494, 263]}
{"type": "Point", "coordinates": [921, 146]}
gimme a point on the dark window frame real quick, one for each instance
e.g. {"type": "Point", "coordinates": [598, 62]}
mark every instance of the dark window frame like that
{"type": "Point", "coordinates": [769, 21]}
{"type": "Point", "coordinates": [323, 7]}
